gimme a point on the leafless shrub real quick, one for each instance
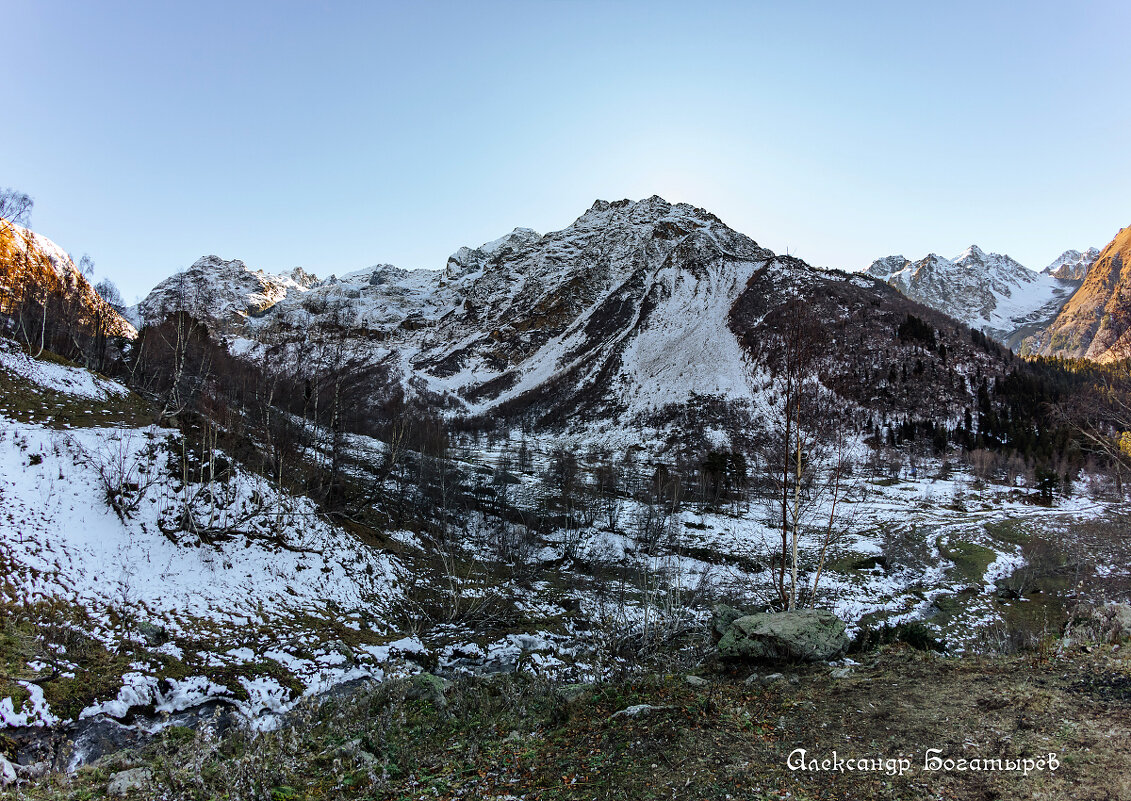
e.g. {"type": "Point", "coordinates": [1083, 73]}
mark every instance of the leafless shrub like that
{"type": "Point", "coordinates": [513, 544]}
{"type": "Point", "coordinates": [1023, 635]}
{"type": "Point", "coordinates": [126, 470]}
{"type": "Point", "coordinates": [1049, 561]}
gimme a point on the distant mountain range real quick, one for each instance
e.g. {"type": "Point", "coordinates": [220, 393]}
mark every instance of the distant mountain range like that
{"type": "Point", "coordinates": [640, 308]}
{"type": "Point", "coordinates": [635, 312]}
{"type": "Point", "coordinates": [989, 291]}
{"type": "Point", "coordinates": [1077, 307]}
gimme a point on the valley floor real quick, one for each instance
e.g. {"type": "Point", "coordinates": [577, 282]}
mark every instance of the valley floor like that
{"type": "Point", "coordinates": [135, 602]}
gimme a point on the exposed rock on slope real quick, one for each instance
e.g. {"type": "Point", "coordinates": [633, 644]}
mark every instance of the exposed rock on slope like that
{"type": "Point", "coordinates": [1094, 324]}
{"type": "Point", "coordinates": [987, 291]}
{"type": "Point", "coordinates": [808, 635]}
{"type": "Point", "coordinates": [536, 320]}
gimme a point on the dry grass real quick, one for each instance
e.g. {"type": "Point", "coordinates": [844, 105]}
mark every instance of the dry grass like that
{"type": "Point", "coordinates": [520, 736]}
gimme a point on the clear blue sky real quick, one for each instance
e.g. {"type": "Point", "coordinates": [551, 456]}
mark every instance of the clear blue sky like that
{"type": "Point", "coordinates": [340, 135]}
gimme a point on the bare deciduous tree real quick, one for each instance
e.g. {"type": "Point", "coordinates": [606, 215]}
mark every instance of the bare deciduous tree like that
{"type": "Point", "coordinates": [15, 209]}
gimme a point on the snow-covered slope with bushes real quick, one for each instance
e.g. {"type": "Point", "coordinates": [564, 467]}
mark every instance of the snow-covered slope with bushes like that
{"type": "Point", "coordinates": [60, 493]}
{"type": "Point", "coordinates": [68, 380]}
{"type": "Point", "coordinates": [100, 522]}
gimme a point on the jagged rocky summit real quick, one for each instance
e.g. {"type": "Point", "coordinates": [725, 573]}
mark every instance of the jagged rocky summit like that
{"type": "Point", "coordinates": [987, 291]}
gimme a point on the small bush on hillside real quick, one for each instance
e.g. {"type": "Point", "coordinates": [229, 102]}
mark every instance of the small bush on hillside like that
{"type": "Point", "coordinates": [913, 633]}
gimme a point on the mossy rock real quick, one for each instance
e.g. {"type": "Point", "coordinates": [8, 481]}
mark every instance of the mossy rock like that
{"type": "Point", "coordinates": [152, 633]}
{"type": "Point", "coordinates": [722, 616]}
{"type": "Point", "coordinates": [572, 692]}
{"type": "Point", "coordinates": [811, 635]}
{"type": "Point", "coordinates": [427, 687]}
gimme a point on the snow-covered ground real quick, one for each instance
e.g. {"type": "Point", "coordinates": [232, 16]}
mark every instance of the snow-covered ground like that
{"type": "Point", "coordinates": [727, 552]}
{"type": "Point", "coordinates": [57, 377]}
{"type": "Point", "coordinates": [95, 517]}
{"type": "Point", "coordinates": [266, 586]}
{"type": "Point", "coordinates": [58, 525]}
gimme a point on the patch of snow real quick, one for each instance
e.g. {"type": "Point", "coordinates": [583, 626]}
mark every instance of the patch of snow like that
{"type": "Point", "coordinates": [33, 712]}
{"type": "Point", "coordinates": [74, 381]}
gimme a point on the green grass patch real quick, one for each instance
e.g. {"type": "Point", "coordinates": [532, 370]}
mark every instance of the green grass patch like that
{"type": "Point", "coordinates": [52, 632]}
{"type": "Point", "coordinates": [970, 559]}
{"type": "Point", "coordinates": [852, 562]}
{"type": "Point", "coordinates": [1012, 531]}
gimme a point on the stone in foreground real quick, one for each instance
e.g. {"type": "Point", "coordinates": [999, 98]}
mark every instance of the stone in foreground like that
{"type": "Point", "coordinates": [126, 781]}
{"type": "Point", "coordinates": [810, 635]}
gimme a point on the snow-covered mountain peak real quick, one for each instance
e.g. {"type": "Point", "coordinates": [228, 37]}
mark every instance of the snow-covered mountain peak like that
{"type": "Point", "coordinates": [646, 212]}
{"type": "Point", "coordinates": [987, 291]}
{"type": "Point", "coordinates": [224, 291]}
{"type": "Point", "coordinates": [996, 266]}
{"type": "Point", "coordinates": [467, 260]}
{"type": "Point", "coordinates": [519, 236]}
{"type": "Point", "coordinates": [618, 225]}
{"type": "Point", "coordinates": [1072, 265]}
{"type": "Point", "coordinates": [225, 267]}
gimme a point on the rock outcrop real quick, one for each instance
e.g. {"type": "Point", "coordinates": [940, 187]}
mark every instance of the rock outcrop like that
{"type": "Point", "coordinates": [811, 635]}
{"type": "Point", "coordinates": [1096, 323]}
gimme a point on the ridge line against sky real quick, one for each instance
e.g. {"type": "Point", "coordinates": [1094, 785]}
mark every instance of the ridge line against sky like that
{"type": "Point", "coordinates": [343, 135]}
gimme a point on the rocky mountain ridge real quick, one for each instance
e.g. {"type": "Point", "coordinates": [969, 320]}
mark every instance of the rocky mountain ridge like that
{"type": "Point", "coordinates": [987, 291]}
{"type": "Point", "coordinates": [222, 292]}
{"type": "Point", "coordinates": [34, 266]}
{"type": "Point", "coordinates": [1072, 265]}
{"type": "Point", "coordinates": [633, 310]}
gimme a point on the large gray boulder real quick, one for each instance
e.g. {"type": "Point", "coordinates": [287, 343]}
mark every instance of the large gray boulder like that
{"type": "Point", "coordinates": [7, 772]}
{"type": "Point", "coordinates": [1106, 623]}
{"type": "Point", "coordinates": [809, 635]}
{"type": "Point", "coordinates": [126, 781]}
